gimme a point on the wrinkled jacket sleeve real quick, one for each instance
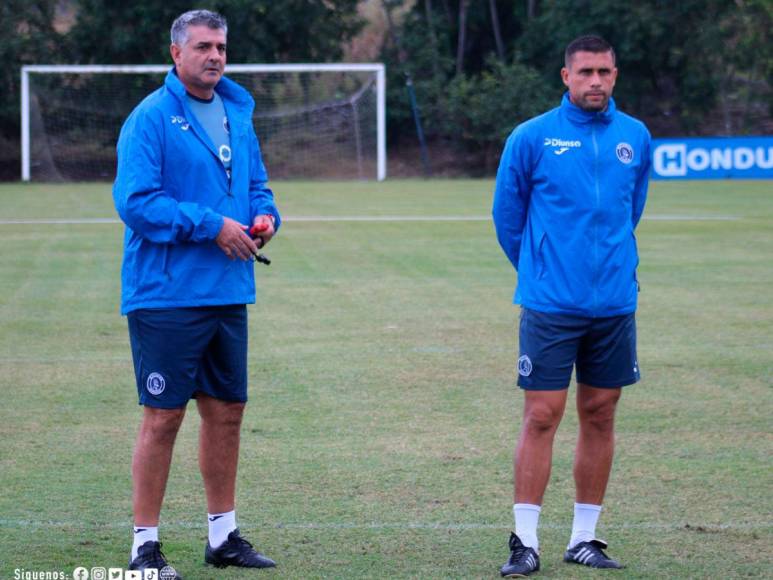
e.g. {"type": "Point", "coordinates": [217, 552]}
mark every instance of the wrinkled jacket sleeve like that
{"type": "Point", "coordinates": [511, 194]}
{"type": "Point", "coordinates": [642, 182]}
{"type": "Point", "coordinates": [138, 191]}
{"type": "Point", "coordinates": [261, 197]}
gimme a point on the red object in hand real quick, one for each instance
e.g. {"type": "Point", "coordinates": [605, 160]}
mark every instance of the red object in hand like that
{"type": "Point", "coordinates": [257, 229]}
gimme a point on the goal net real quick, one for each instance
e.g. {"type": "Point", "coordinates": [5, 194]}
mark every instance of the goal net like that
{"type": "Point", "coordinates": [322, 121]}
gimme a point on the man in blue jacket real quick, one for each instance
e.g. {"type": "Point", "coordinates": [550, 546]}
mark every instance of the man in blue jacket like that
{"type": "Point", "coordinates": [190, 187]}
{"type": "Point", "coordinates": [570, 191]}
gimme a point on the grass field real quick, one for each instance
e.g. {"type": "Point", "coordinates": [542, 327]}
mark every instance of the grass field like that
{"type": "Point", "coordinates": [383, 410]}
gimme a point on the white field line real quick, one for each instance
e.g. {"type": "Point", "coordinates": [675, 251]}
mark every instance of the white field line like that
{"type": "Point", "coordinates": [56, 221]}
{"type": "Point", "coordinates": [361, 218]}
{"type": "Point", "coordinates": [89, 358]}
{"type": "Point", "coordinates": [90, 524]}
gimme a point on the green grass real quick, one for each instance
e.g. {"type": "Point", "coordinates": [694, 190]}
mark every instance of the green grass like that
{"type": "Point", "coordinates": [383, 410]}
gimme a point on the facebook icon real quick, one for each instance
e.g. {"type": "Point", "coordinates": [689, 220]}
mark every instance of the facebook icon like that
{"type": "Point", "coordinates": [669, 160]}
{"type": "Point", "coordinates": [80, 573]}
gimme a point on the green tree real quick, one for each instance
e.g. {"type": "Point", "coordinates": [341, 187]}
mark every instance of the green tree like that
{"type": "Point", "coordinates": [470, 96]}
{"type": "Point", "coordinates": [481, 110]}
{"type": "Point", "coordinates": [690, 67]}
{"type": "Point", "coordinates": [259, 30]}
{"type": "Point", "coordinates": [29, 37]}
{"type": "Point", "coordinates": [675, 58]}
{"type": "Point", "coordinates": [109, 32]}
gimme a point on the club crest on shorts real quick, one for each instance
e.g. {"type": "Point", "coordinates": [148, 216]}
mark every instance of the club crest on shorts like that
{"type": "Point", "coordinates": [624, 152]}
{"type": "Point", "coordinates": [155, 384]}
{"type": "Point", "coordinates": [524, 366]}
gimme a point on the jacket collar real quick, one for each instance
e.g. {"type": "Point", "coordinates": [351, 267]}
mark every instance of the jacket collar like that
{"type": "Point", "coordinates": [577, 115]}
{"type": "Point", "coordinates": [231, 93]}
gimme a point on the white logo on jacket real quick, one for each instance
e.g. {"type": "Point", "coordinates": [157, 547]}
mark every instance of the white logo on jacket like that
{"type": "Point", "coordinates": [178, 120]}
{"type": "Point", "coordinates": [553, 142]}
{"type": "Point", "coordinates": [563, 145]}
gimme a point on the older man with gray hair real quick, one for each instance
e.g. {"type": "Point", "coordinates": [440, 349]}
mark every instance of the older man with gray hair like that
{"type": "Point", "coordinates": [191, 189]}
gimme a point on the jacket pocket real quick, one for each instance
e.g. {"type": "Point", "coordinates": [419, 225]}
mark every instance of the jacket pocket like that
{"type": "Point", "coordinates": [636, 261]}
{"type": "Point", "coordinates": [165, 260]}
{"type": "Point", "coordinates": [541, 269]}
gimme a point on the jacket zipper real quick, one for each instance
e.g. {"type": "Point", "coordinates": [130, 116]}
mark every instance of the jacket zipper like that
{"type": "Point", "coordinates": [595, 218]}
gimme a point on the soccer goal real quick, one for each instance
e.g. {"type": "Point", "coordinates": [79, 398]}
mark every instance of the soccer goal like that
{"type": "Point", "coordinates": [314, 121]}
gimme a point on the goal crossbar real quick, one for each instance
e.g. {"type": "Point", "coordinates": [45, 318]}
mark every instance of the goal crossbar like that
{"type": "Point", "coordinates": [377, 68]}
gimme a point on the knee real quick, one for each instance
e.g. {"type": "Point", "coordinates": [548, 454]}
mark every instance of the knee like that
{"type": "Point", "coordinates": [227, 416]}
{"type": "Point", "coordinates": [599, 416]}
{"type": "Point", "coordinates": [542, 419]}
{"type": "Point", "coordinates": [232, 420]}
{"type": "Point", "coordinates": [162, 424]}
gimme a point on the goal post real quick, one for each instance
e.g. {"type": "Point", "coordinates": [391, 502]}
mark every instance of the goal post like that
{"type": "Point", "coordinates": [314, 121]}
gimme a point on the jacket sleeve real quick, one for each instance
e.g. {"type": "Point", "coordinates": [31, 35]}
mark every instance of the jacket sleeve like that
{"type": "Point", "coordinates": [642, 182]}
{"type": "Point", "coordinates": [261, 197]}
{"type": "Point", "coordinates": [138, 191]}
{"type": "Point", "coordinates": [511, 194]}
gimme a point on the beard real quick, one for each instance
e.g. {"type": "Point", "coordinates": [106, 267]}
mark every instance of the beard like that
{"type": "Point", "coordinates": [594, 104]}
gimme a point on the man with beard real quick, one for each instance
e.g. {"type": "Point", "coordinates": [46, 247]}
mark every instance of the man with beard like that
{"type": "Point", "coordinates": [570, 191]}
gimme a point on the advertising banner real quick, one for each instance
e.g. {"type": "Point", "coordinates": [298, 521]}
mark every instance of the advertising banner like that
{"type": "Point", "coordinates": [713, 158]}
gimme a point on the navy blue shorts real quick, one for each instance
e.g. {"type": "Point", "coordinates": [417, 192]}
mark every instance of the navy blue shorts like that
{"type": "Point", "coordinates": [179, 352]}
{"type": "Point", "coordinates": [603, 350]}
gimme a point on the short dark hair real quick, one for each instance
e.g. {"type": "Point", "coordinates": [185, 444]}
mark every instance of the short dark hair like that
{"type": "Point", "coordinates": [587, 43]}
{"type": "Point", "coordinates": [213, 20]}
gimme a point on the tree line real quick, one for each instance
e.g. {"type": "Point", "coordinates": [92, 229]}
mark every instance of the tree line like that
{"type": "Point", "coordinates": [479, 67]}
{"type": "Point", "coordinates": [476, 67]}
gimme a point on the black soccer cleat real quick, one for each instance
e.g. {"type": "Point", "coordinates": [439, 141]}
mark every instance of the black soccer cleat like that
{"type": "Point", "coordinates": [522, 562]}
{"type": "Point", "coordinates": [149, 555]}
{"type": "Point", "coordinates": [591, 554]}
{"type": "Point", "coordinates": [236, 551]}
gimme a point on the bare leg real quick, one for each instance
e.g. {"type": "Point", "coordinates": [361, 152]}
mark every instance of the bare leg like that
{"type": "Point", "coordinates": [151, 461]}
{"type": "Point", "coordinates": [596, 443]}
{"type": "Point", "coordinates": [219, 450]}
{"type": "Point", "coordinates": [542, 414]}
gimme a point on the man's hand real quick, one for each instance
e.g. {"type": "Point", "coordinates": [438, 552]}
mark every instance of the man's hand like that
{"type": "Point", "coordinates": [235, 242]}
{"type": "Point", "coordinates": [262, 229]}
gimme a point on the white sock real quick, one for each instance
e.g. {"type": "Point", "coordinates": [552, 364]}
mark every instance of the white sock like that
{"type": "Point", "coordinates": [220, 525]}
{"type": "Point", "coordinates": [584, 526]}
{"type": "Point", "coordinates": [526, 519]}
{"type": "Point", "coordinates": [143, 534]}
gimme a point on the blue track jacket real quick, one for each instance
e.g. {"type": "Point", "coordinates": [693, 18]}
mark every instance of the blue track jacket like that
{"type": "Point", "coordinates": [172, 191]}
{"type": "Point", "coordinates": [570, 191]}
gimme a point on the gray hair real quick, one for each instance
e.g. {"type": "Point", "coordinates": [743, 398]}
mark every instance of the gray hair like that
{"type": "Point", "coordinates": [180, 26]}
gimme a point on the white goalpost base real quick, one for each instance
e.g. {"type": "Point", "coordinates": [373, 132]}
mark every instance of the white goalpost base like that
{"type": "Point", "coordinates": [313, 120]}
